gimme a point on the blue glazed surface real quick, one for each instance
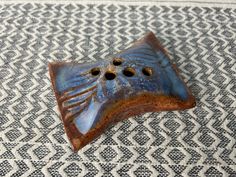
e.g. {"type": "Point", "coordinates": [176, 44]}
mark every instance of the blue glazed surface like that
{"type": "Point", "coordinates": [85, 93]}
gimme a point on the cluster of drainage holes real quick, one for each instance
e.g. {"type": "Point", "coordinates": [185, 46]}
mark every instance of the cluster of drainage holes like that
{"type": "Point", "coordinates": [128, 72]}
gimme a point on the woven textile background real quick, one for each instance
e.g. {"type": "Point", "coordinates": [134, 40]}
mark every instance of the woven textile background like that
{"type": "Point", "coordinates": [196, 142]}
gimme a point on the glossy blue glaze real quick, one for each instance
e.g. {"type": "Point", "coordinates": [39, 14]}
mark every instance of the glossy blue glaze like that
{"type": "Point", "coordinates": [85, 93]}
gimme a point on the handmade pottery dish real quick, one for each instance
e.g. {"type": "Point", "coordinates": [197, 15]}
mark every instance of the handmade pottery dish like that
{"type": "Point", "coordinates": [92, 96]}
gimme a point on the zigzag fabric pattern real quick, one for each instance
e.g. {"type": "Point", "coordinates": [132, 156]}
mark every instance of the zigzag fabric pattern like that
{"type": "Point", "coordinates": [196, 142]}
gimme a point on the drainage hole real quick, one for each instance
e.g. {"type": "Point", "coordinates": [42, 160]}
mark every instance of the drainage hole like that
{"type": "Point", "coordinates": [129, 72]}
{"type": "Point", "coordinates": [110, 75]}
{"type": "Point", "coordinates": [147, 71]}
{"type": "Point", "coordinates": [117, 61]}
{"type": "Point", "coordinates": [95, 71]}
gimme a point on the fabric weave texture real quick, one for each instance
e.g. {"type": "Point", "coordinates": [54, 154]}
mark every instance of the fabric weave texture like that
{"type": "Point", "coordinates": [196, 142]}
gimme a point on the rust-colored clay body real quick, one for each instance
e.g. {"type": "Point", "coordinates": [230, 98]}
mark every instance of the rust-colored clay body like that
{"type": "Point", "coordinates": [92, 96]}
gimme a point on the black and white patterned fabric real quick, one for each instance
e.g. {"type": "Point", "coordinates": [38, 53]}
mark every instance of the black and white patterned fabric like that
{"type": "Point", "coordinates": [195, 142]}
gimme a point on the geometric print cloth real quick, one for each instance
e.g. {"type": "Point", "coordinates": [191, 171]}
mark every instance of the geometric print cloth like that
{"type": "Point", "coordinates": [196, 142]}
